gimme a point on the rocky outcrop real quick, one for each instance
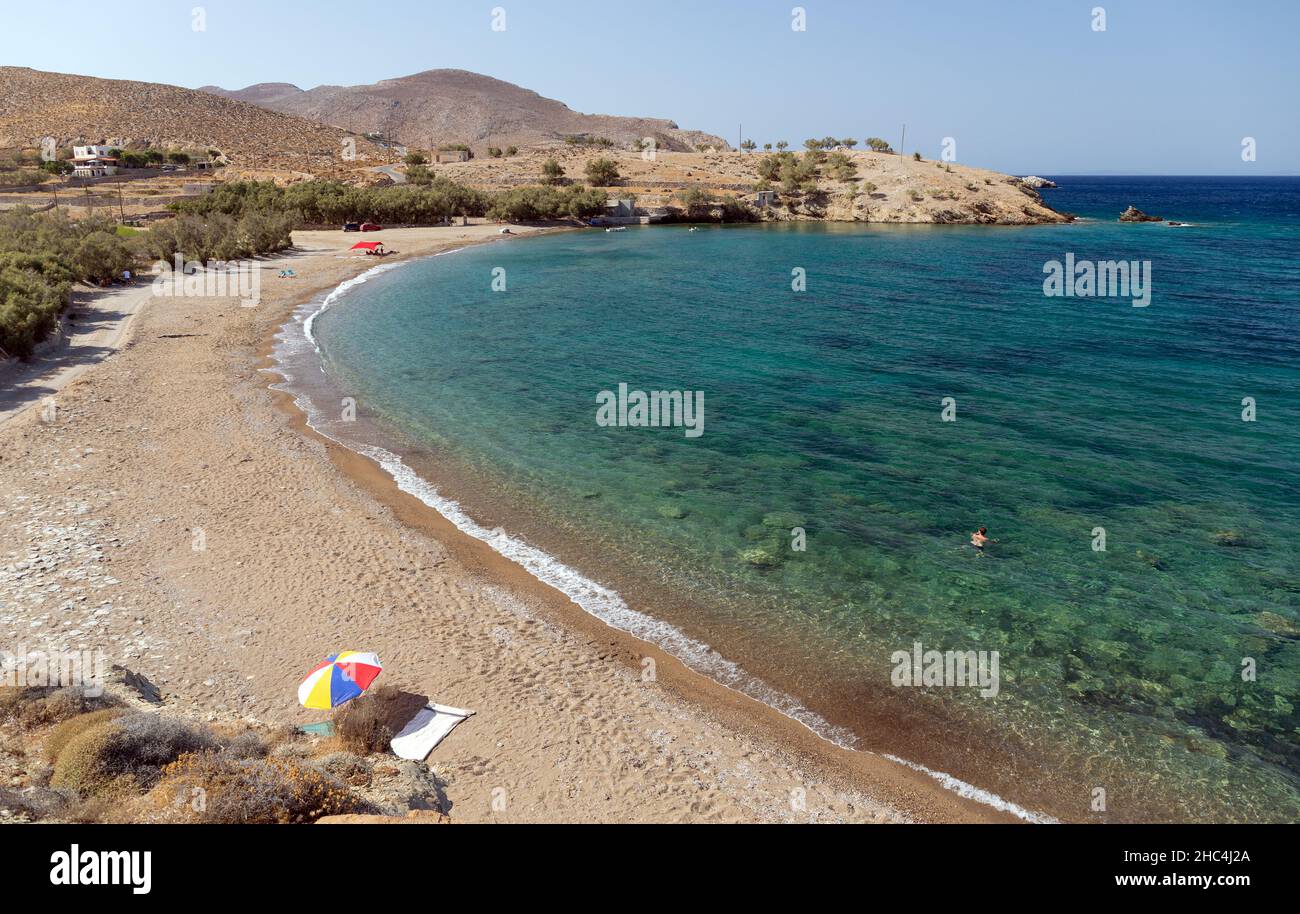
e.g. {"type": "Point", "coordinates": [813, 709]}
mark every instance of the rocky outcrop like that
{"type": "Point", "coordinates": [1037, 183]}
{"type": "Point", "coordinates": [414, 817]}
{"type": "Point", "coordinates": [1133, 214]}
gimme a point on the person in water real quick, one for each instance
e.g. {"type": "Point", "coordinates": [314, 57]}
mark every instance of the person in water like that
{"type": "Point", "coordinates": [980, 538]}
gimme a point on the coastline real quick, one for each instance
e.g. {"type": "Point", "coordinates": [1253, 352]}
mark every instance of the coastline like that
{"type": "Point", "coordinates": [579, 601]}
{"type": "Point", "coordinates": [681, 748]}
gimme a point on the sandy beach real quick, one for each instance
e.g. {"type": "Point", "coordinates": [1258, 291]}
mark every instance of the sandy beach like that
{"type": "Point", "coordinates": [175, 439]}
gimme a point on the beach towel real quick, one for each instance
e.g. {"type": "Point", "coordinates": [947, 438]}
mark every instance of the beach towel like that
{"type": "Point", "coordinates": [426, 730]}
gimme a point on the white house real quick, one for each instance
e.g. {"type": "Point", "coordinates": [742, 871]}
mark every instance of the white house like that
{"type": "Point", "coordinates": [92, 152]}
{"type": "Point", "coordinates": [93, 161]}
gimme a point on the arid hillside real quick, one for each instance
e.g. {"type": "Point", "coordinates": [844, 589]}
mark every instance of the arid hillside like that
{"type": "Point", "coordinates": [84, 109]}
{"type": "Point", "coordinates": [455, 106]}
{"type": "Point", "coordinates": [863, 187]}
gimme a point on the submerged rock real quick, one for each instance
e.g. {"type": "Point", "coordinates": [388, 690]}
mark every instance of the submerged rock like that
{"type": "Point", "coordinates": [760, 557]}
{"type": "Point", "coordinates": [1278, 625]}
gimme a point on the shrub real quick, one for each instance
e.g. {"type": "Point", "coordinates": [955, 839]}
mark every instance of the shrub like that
{"type": "Point", "coordinates": [41, 256]}
{"type": "Point", "coordinates": [101, 257]}
{"type": "Point", "coordinates": [552, 172]}
{"type": "Point", "coordinates": [525, 204]}
{"type": "Point", "coordinates": [602, 172]}
{"type": "Point", "coordinates": [368, 724]}
{"type": "Point", "coordinates": [415, 158]}
{"type": "Point", "coordinates": [33, 290]}
{"type": "Point", "coordinates": [39, 706]}
{"type": "Point", "coordinates": [252, 791]}
{"type": "Point", "coordinates": [842, 168]}
{"type": "Point", "coordinates": [65, 732]}
{"type": "Point", "coordinates": [125, 754]}
{"type": "Point", "coordinates": [769, 167]}
{"type": "Point", "coordinates": [246, 744]}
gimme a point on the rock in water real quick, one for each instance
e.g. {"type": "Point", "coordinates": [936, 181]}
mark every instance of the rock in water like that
{"type": "Point", "coordinates": [1037, 183]}
{"type": "Point", "coordinates": [1133, 214]}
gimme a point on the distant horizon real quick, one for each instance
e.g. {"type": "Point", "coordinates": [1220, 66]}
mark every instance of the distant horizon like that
{"type": "Point", "coordinates": [1160, 87]}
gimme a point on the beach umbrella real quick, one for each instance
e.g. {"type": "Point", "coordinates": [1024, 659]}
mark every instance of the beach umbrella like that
{"type": "Point", "coordinates": [340, 678]}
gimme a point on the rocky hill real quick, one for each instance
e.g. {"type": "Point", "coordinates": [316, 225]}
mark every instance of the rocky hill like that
{"type": "Point", "coordinates": [867, 187]}
{"type": "Point", "coordinates": [455, 106]}
{"type": "Point", "coordinates": [85, 109]}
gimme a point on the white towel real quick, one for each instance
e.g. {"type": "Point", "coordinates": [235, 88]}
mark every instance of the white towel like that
{"type": "Point", "coordinates": [426, 730]}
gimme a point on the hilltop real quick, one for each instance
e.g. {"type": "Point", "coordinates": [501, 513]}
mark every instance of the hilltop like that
{"type": "Point", "coordinates": [455, 106]}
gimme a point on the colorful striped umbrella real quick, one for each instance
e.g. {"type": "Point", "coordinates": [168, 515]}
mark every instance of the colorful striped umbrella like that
{"type": "Point", "coordinates": [339, 679]}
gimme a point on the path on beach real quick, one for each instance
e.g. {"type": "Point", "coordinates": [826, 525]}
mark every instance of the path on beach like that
{"type": "Point", "coordinates": [100, 329]}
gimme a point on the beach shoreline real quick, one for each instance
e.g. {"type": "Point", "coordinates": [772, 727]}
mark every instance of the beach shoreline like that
{"type": "Point", "coordinates": [713, 755]}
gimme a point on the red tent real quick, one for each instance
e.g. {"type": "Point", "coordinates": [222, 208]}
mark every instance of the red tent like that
{"type": "Point", "coordinates": [370, 246]}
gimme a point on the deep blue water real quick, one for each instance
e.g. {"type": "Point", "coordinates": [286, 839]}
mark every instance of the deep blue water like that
{"type": "Point", "coordinates": [1120, 669]}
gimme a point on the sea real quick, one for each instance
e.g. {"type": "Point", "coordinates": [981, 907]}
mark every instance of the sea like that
{"type": "Point", "coordinates": [838, 408]}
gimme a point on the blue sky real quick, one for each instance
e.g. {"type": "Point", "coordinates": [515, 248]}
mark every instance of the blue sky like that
{"type": "Point", "coordinates": [1170, 87]}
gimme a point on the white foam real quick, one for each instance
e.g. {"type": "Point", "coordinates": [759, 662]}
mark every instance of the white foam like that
{"type": "Point", "coordinates": [338, 293]}
{"type": "Point", "coordinates": [595, 599]}
{"type": "Point", "coordinates": [978, 794]}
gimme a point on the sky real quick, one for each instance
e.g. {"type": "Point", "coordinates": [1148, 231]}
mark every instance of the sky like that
{"type": "Point", "coordinates": [1020, 86]}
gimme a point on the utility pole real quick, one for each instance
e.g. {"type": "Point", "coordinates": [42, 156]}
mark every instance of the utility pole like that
{"type": "Point", "coordinates": [902, 144]}
{"type": "Point", "coordinates": [121, 208]}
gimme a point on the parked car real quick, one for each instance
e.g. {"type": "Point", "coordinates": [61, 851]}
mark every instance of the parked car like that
{"type": "Point", "coordinates": [371, 227]}
{"type": "Point", "coordinates": [352, 226]}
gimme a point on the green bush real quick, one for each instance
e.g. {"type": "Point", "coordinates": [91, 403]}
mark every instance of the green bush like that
{"type": "Point", "coordinates": [552, 172]}
{"type": "Point", "coordinates": [528, 204]}
{"type": "Point", "coordinates": [33, 290]}
{"type": "Point", "coordinates": [602, 172]}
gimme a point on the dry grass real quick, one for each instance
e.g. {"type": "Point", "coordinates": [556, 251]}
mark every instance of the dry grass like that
{"type": "Point", "coordinates": [367, 724]}
{"type": "Point", "coordinates": [31, 707]}
{"type": "Point", "coordinates": [124, 755]}
{"type": "Point", "coordinates": [65, 732]}
{"type": "Point", "coordinates": [215, 788]}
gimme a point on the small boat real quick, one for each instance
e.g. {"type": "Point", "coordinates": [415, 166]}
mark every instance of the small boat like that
{"type": "Point", "coordinates": [694, 228]}
{"type": "Point", "coordinates": [620, 228]}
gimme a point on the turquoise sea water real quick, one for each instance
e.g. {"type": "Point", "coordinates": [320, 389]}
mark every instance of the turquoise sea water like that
{"type": "Point", "coordinates": [1120, 669]}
